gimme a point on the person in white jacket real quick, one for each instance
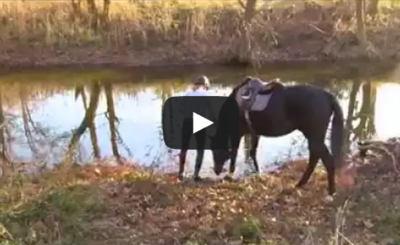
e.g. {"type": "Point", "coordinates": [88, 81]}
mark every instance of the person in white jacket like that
{"type": "Point", "coordinates": [201, 85]}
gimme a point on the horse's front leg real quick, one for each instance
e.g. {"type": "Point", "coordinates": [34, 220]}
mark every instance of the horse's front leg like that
{"type": "Point", "coordinates": [233, 156]}
{"type": "Point", "coordinates": [253, 151]}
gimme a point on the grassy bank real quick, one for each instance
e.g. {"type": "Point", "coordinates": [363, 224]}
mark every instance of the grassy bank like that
{"type": "Point", "coordinates": [188, 32]}
{"type": "Point", "coordinates": [123, 205]}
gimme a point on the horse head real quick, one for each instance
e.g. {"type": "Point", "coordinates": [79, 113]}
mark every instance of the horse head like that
{"type": "Point", "coordinates": [220, 156]}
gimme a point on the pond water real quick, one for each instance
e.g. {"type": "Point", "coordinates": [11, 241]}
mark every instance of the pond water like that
{"type": "Point", "coordinates": [112, 113]}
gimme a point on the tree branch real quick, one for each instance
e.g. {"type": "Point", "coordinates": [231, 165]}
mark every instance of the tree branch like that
{"type": "Point", "coordinates": [242, 4]}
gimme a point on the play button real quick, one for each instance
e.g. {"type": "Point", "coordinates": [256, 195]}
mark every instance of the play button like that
{"type": "Point", "coordinates": [218, 115]}
{"type": "Point", "coordinates": [200, 122]}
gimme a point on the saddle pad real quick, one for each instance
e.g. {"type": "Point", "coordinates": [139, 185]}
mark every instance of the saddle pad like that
{"type": "Point", "coordinates": [260, 103]}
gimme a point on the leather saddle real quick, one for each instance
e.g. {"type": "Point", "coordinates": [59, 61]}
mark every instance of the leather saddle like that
{"type": "Point", "coordinates": [256, 94]}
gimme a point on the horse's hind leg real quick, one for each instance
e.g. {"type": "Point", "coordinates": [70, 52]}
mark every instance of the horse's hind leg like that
{"type": "Point", "coordinates": [313, 160]}
{"type": "Point", "coordinates": [253, 151]}
{"type": "Point", "coordinates": [329, 164]}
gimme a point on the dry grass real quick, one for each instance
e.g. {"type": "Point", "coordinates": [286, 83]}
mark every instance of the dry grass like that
{"type": "Point", "coordinates": [155, 32]}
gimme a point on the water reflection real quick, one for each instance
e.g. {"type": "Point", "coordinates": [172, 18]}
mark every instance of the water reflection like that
{"type": "Point", "coordinates": [102, 114]}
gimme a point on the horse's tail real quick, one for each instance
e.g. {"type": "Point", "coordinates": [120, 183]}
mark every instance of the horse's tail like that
{"type": "Point", "coordinates": [337, 132]}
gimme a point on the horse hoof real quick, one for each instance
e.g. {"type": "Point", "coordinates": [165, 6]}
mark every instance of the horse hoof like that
{"type": "Point", "coordinates": [228, 178]}
{"type": "Point", "coordinates": [180, 178]}
{"type": "Point", "coordinates": [197, 179]}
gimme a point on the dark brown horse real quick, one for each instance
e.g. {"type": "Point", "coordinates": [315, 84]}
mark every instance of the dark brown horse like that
{"type": "Point", "coordinates": [299, 107]}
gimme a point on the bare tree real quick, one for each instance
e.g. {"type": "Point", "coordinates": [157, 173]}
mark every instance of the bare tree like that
{"type": "Point", "coordinates": [94, 15]}
{"type": "Point", "coordinates": [245, 45]}
{"type": "Point", "coordinates": [76, 8]}
{"type": "Point", "coordinates": [361, 33]}
{"type": "Point", "coordinates": [373, 8]}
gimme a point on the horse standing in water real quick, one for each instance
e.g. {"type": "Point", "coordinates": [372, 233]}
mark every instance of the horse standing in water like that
{"type": "Point", "coordinates": [275, 110]}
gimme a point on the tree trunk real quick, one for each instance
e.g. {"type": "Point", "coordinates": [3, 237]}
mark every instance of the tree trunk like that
{"type": "Point", "coordinates": [106, 11]}
{"type": "Point", "coordinates": [76, 7]}
{"type": "Point", "coordinates": [245, 30]}
{"type": "Point", "coordinates": [93, 14]}
{"type": "Point", "coordinates": [373, 8]}
{"type": "Point", "coordinates": [361, 34]}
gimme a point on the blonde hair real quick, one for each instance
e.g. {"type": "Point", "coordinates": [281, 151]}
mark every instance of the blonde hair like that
{"type": "Point", "coordinates": [200, 81]}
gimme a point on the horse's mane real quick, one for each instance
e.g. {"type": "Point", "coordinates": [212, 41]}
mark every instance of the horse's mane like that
{"type": "Point", "coordinates": [232, 94]}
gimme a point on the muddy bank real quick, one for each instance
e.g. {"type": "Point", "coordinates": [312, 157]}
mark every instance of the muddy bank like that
{"type": "Point", "coordinates": [90, 57]}
{"type": "Point", "coordinates": [184, 35]}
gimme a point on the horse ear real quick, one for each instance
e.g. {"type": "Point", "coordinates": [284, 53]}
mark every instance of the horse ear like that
{"type": "Point", "coordinates": [274, 83]}
{"type": "Point", "coordinates": [276, 80]}
{"type": "Point", "coordinates": [248, 79]}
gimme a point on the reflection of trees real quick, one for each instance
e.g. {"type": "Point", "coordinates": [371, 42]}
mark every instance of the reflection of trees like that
{"type": "Point", "coordinates": [2, 132]}
{"type": "Point", "coordinates": [366, 127]}
{"type": "Point", "coordinates": [80, 91]}
{"type": "Point", "coordinates": [38, 137]}
{"type": "Point", "coordinates": [164, 92]}
{"type": "Point", "coordinates": [351, 110]}
{"type": "Point", "coordinates": [360, 119]}
{"type": "Point", "coordinates": [4, 164]}
{"type": "Point", "coordinates": [30, 127]}
{"type": "Point", "coordinates": [87, 121]}
{"type": "Point", "coordinates": [112, 119]}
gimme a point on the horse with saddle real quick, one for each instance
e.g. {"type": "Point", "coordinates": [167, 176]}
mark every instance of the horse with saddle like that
{"type": "Point", "coordinates": [273, 109]}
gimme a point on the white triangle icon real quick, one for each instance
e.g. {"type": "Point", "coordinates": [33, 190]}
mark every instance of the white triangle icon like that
{"type": "Point", "coordinates": [200, 122]}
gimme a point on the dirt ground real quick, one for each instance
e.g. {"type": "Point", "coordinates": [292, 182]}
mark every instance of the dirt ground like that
{"type": "Point", "coordinates": [125, 205]}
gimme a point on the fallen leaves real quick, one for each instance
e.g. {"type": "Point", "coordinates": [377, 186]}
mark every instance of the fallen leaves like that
{"type": "Point", "coordinates": [207, 209]}
{"type": "Point", "coordinates": [144, 208]}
